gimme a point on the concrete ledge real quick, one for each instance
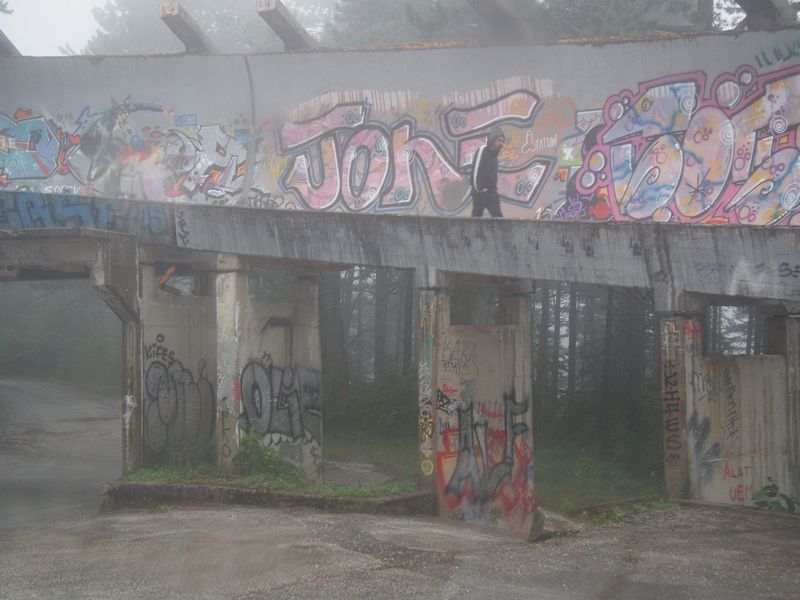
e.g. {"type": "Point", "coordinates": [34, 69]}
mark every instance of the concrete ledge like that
{"type": "Point", "coordinates": [122, 495]}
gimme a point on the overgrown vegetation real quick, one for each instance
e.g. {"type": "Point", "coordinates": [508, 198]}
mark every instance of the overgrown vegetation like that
{"type": "Point", "coordinates": [614, 513]}
{"type": "Point", "coordinates": [255, 466]}
{"type": "Point", "coordinates": [256, 460]}
{"type": "Point", "coordinates": [568, 479]}
{"type": "Point", "coordinates": [772, 498]}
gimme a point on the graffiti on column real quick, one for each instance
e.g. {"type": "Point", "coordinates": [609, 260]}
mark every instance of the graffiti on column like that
{"type": "Point", "coordinates": [179, 407]}
{"type": "Point", "coordinates": [684, 149]}
{"type": "Point", "coordinates": [717, 148]}
{"type": "Point", "coordinates": [282, 404]}
{"type": "Point", "coordinates": [425, 417]}
{"type": "Point", "coordinates": [484, 461]}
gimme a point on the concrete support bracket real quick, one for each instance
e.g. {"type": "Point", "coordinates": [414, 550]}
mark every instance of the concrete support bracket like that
{"type": "Point", "coordinates": [186, 29]}
{"type": "Point", "coordinates": [7, 47]}
{"type": "Point", "coordinates": [283, 23]}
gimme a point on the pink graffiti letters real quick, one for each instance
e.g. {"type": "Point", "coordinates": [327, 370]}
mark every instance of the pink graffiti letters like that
{"type": "Point", "coordinates": [353, 156]}
{"type": "Point", "coordinates": [679, 150]}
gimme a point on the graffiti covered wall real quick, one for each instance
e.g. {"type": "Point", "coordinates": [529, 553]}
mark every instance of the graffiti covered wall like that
{"type": "Point", "coordinates": [279, 389]}
{"type": "Point", "coordinates": [179, 369]}
{"type": "Point", "coordinates": [728, 427]}
{"type": "Point", "coordinates": [475, 415]}
{"type": "Point", "coordinates": [693, 130]}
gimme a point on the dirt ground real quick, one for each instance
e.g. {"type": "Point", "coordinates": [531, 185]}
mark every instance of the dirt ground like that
{"type": "Point", "coordinates": [251, 553]}
{"type": "Point", "coordinates": [53, 544]}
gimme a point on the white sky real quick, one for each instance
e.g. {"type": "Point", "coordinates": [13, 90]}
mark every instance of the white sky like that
{"type": "Point", "coordinates": [39, 27]}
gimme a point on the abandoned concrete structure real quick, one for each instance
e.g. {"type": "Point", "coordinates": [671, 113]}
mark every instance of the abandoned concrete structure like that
{"type": "Point", "coordinates": [668, 164]}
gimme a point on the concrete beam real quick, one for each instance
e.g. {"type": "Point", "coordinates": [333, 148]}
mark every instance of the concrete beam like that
{"type": "Point", "coordinates": [186, 29]}
{"type": "Point", "coordinates": [282, 22]}
{"type": "Point", "coordinates": [731, 261]}
{"type": "Point", "coordinates": [7, 47]}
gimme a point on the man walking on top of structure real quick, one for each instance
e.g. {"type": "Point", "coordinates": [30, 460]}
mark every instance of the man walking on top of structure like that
{"type": "Point", "coordinates": [484, 175]}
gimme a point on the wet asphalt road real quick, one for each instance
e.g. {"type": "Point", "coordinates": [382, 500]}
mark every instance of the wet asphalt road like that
{"type": "Point", "coordinates": [54, 545]}
{"type": "Point", "coordinates": [59, 445]}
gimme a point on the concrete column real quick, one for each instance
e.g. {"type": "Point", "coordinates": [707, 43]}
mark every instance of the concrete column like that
{"type": "Point", "coordinates": [430, 311]}
{"type": "Point", "coordinates": [279, 363]}
{"type": "Point", "coordinates": [479, 424]}
{"type": "Point", "coordinates": [229, 290]}
{"type": "Point", "coordinates": [674, 391]}
{"type": "Point", "coordinates": [793, 404]}
{"type": "Point", "coordinates": [132, 413]}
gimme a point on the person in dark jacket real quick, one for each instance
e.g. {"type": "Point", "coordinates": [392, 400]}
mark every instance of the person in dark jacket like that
{"type": "Point", "coordinates": [484, 175]}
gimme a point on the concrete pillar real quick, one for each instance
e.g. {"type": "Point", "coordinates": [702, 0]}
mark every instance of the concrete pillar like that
{"type": "Point", "coordinates": [430, 311]}
{"type": "Point", "coordinates": [280, 19]}
{"type": "Point", "coordinates": [179, 340]}
{"type": "Point", "coordinates": [230, 289]}
{"type": "Point", "coordinates": [792, 414]}
{"type": "Point", "coordinates": [279, 364]}
{"type": "Point", "coordinates": [673, 402]}
{"type": "Point", "coordinates": [186, 29]}
{"type": "Point", "coordinates": [132, 413]}
{"type": "Point", "coordinates": [475, 411]}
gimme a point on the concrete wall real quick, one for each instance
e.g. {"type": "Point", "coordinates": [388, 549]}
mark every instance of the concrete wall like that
{"type": "Point", "coordinates": [699, 129]}
{"type": "Point", "coordinates": [730, 422]}
{"type": "Point", "coordinates": [179, 335]}
{"type": "Point", "coordinates": [476, 434]}
{"type": "Point", "coordinates": [279, 357]}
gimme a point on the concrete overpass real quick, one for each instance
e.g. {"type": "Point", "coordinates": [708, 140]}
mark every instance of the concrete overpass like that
{"type": "Point", "coordinates": [192, 358]}
{"type": "Point", "coordinates": [669, 164]}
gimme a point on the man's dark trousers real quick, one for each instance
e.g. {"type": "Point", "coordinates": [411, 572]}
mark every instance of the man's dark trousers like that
{"type": "Point", "coordinates": [486, 200]}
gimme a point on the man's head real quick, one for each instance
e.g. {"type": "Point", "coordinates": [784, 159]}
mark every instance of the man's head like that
{"type": "Point", "coordinates": [496, 139]}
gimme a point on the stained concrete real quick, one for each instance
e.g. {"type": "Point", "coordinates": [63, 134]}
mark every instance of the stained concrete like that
{"type": "Point", "coordinates": [256, 554]}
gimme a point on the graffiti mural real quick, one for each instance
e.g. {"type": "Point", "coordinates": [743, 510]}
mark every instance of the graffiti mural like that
{"type": "Point", "coordinates": [698, 146]}
{"type": "Point", "coordinates": [179, 406]}
{"type": "Point", "coordinates": [485, 457]}
{"type": "Point", "coordinates": [686, 149]}
{"type": "Point", "coordinates": [29, 210]}
{"type": "Point", "coordinates": [282, 404]}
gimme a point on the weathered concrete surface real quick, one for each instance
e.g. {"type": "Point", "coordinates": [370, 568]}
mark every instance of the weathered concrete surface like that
{"type": "Point", "coordinates": [120, 495]}
{"type": "Point", "coordinates": [728, 261]}
{"type": "Point", "coordinates": [56, 455]}
{"type": "Point", "coordinates": [729, 424]}
{"type": "Point", "coordinates": [696, 128]}
{"type": "Point", "coordinates": [260, 553]}
{"type": "Point", "coordinates": [742, 261]}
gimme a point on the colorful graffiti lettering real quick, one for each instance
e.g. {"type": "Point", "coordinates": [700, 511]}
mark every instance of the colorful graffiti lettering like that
{"type": "Point", "coordinates": [680, 150]}
{"type": "Point", "coordinates": [28, 210]}
{"type": "Point", "coordinates": [684, 148]}
{"type": "Point", "coordinates": [485, 462]}
{"type": "Point", "coordinates": [349, 156]}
